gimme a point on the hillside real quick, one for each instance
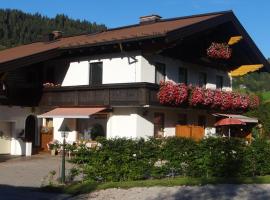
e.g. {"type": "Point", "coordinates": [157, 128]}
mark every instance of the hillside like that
{"type": "Point", "coordinates": [254, 82]}
{"type": "Point", "coordinates": [17, 27]}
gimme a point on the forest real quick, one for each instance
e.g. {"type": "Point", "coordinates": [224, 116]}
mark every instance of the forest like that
{"type": "Point", "coordinates": [17, 27]}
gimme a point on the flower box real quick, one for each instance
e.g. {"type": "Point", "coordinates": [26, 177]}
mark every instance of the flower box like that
{"type": "Point", "coordinates": [174, 94]}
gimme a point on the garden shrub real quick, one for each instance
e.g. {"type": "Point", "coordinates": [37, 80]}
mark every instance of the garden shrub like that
{"type": "Point", "coordinates": [256, 159]}
{"type": "Point", "coordinates": [122, 159]}
{"type": "Point", "coordinates": [180, 154]}
{"type": "Point", "coordinates": [220, 157]}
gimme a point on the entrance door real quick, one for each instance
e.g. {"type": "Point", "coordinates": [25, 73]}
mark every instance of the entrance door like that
{"type": "Point", "coordinates": [31, 129]}
{"type": "Point", "coordinates": [158, 123]}
{"type": "Point", "coordinates": [5, 137]}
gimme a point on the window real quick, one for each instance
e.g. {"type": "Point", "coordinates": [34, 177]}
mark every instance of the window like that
{"type": "Point", "coordinates": [202, 79]}
{"type": "Point", "coordinates": [160, 72]}
{"type": "Point", "coordinates": [95, 76]}
{"type": "Point", "coordinates": [158, 123]}
{"type": "Point", "coordinates": [202, 120]}
{"type": "Point", "coordinates": [182, 76]}
{"type": "Point", "coordinates": [219, 82]}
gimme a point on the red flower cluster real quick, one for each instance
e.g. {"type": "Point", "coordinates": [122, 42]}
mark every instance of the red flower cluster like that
{"type": "Point", "coordinates": [171, 93]}
{"type": "Point", "coordinates": [197, 96]}
{"type": "Point", "coordinates": [219, 51]}
{"type": "Point", "coordinates": [174, 94]}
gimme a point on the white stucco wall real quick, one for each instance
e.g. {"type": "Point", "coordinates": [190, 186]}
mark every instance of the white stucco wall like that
{"type": "Point", "coordinates": [122, 123]}
{"type": "Point", "coordinates": [71, 123]}
{"type": "Point", "coordinates": [171, 117]}
{"type": "Point", "coordinates": [144, 124]}
{"type": "Point", "coordinates": [15, 115]}
{"type": "Point", "coordinates": [77, 74]}
{"type": "Point", "coordinates": [121, 68]}
{"type": "Point", "coordinates": [147, 71]}
{"type": "Point", "coordinates": [132, 67]}
{"type": "Point", "coordinates": [172, 73]}
{"type": "Point", "coordinates": [117, 68]}
{"type": "Point", "coordinates": [139, 122]}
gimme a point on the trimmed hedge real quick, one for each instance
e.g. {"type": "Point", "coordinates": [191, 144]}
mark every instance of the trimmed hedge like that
{"type": "Point", "coordinates": [124, 159]}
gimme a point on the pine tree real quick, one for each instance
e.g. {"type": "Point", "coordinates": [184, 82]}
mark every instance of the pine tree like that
{"type": "Point", "coordinates": [17, 27]}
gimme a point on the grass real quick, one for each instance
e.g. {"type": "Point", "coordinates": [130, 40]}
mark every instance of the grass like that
{"type": "Point", "coordinates": [87, 186]}
{"type": "Point", "coordinates": [266, 96]}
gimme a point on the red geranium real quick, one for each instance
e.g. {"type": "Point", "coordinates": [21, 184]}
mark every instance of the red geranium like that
{"type": "Point", "coordinates": [174, 94]}
{"type": "Point", "coordinates": [197, 96]}
{"type": "Point", "coordinates": [226, 101]}
{"type": "Point", "coordinates": [208, 97]}
{"type": "Point", "coordinates": [217, 101]}
{"type": "Point", "coordinates": [171, 93]}
{"type": "Point", "coordinates": [219, 51]}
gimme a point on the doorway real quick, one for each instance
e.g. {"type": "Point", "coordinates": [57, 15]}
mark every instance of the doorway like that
{"type": "Point", "coordinates": [31, 129]}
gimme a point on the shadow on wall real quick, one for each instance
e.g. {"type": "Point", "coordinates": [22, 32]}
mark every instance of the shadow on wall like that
{"type": "Point", "coordinates": [18, 146]}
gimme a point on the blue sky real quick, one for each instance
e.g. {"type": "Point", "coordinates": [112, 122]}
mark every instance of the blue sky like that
{"type": "Point", "coordinates": [254, 15]}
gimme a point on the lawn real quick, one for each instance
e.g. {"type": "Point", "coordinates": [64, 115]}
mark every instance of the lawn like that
{"type": "Point", "coordinates": [86, 187]}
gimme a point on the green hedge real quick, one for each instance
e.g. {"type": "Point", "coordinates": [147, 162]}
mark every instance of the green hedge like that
{"type": "Point", "coordinates": [123, 159]}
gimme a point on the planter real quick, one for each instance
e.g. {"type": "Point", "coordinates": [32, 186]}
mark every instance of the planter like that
{"type": "Point", "coordinates": [53, 152]}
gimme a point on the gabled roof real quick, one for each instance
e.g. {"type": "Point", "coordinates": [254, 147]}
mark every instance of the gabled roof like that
{"type": "Point", "coordinates": [162, 28]}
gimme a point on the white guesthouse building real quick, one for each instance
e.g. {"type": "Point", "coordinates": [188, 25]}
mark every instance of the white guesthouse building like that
{"type": "Point", "coordinates": [110, 80]}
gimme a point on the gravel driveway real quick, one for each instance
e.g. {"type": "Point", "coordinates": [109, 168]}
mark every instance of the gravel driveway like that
{"type": "Point", "coordinates": [21, 177]}
{"type": "Point", "coordinates": [207, 192]}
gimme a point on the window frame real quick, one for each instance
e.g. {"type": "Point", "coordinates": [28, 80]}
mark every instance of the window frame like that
{"type": "Point", "coordinates": [91, 81]}
{"type": "Point", "coordinates": [183, 69]}
{"type": "Point", "coordinates": [217, 83]}
{"type": "Point", "coordinates": [204, 81]}
{"type": "Point", "coordinates": [159, 64]}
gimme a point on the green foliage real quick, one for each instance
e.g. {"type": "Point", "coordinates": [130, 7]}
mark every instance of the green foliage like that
{"type": "Point", "coordinates": [97, 131]}
{"type": "Point", "coordinates": [263, 114]}
{"type": "Point", "coordinates": [253, 82]}
{"type": "Point", "coordinates": [180, 154]}
{"type": "Point", "coordinates": [221, 157]}
{"type": "Point", "coordinates": [123, 159]}
{"type": "Point", "coordinates": [17, 27]}
{"type": "Point", "coordinates": [265, 96]}
{"type": "Point", "coordinates": [256, 159]}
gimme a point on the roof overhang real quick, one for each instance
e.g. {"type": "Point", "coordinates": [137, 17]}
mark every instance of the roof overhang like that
{"type": "Point", "coordinates": [73, 113]}
{"type": "Point", "coordinates": [239, 117]}
{"type": "Point", "coordinates": [179, 34]}
{"type": "Point", "coordinates": [171, 37]}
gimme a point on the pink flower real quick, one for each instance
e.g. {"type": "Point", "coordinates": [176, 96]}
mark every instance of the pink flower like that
{"type": "Point", "coordinates": [219, 51]}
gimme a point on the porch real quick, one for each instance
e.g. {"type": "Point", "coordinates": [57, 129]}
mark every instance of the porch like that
{"type": "Point", "coordinates": [85, 124]}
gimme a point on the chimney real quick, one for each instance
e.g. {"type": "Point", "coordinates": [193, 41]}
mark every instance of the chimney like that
{"type": "Point", "coordinates": [149, 19]}
{"type": "Point", "coordinates": [54, 35]}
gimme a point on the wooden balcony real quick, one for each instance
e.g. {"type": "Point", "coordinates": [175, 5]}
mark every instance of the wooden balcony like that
{"type": "Point", "coordinates": [127, 94]}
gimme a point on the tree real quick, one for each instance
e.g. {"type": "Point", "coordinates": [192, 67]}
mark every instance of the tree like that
{"type": "Point", "coordinates": [17, 27]}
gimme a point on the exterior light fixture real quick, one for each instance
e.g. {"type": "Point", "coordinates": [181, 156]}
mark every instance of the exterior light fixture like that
{"type": "Point", "coordinates": [64, 129]}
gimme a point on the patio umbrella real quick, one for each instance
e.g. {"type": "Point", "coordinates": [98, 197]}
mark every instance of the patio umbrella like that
{"type": "Point", "coordinates": [229, 122]}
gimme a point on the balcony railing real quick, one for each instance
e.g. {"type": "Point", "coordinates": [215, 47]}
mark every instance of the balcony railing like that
{"type": "Point", "coordinates": [127, 94]}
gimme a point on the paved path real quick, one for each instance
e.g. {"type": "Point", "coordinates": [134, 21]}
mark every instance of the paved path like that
{"type": "Point", "coordinates": [207, 192]}
{"type": "Point", "coordinates": [21, 177]}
